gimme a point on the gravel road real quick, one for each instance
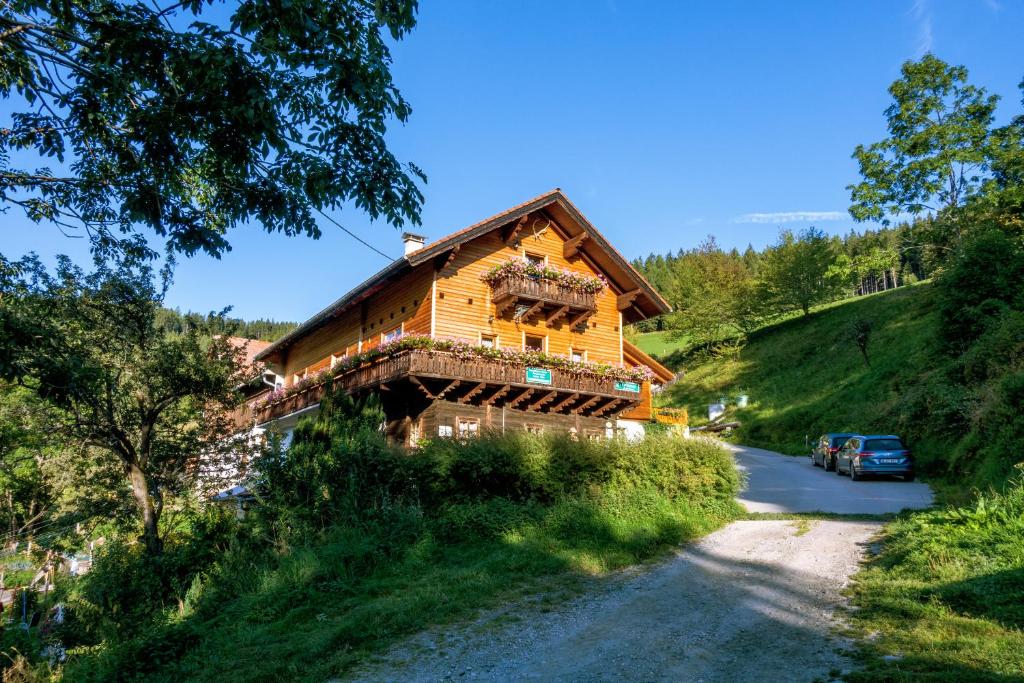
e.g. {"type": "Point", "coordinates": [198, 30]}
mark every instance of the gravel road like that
{"type": "Point", "coordinates": [754, 601]}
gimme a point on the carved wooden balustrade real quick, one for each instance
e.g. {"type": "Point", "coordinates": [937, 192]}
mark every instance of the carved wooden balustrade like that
{"type": "Point", "coordinates": [481, 381]}
{"type": "Point", "coordinates": [542, 297]}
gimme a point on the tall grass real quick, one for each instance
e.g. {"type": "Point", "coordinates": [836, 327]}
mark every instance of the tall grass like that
{"type": "Point", "coordinates": [944, 601]}
{"type": "Point", "coordinates": [452, 529]}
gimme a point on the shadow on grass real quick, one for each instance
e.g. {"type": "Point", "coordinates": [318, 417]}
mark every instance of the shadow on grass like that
{"type": "Point", "coordinates": [998, 596]}
{"type": "Point", "coordinates": [318, 610]}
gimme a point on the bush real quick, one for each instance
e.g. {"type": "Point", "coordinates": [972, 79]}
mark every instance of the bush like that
{"type": "Point", "coordinates": [356, 542]}
{"type": "Point", "coordinates": [984, 282]}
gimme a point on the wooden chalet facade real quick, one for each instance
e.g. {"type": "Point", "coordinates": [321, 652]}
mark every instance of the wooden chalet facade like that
{"type": "Point", "coordinates": [512, 323]}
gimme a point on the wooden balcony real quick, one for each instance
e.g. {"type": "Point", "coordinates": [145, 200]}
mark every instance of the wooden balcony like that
{"type": "Point", "coordinates": [529, 298]}
{"type": "Point", "coordinates": [434, 375]}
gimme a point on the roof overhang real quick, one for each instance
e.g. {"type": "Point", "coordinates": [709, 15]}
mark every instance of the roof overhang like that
{"type": "Point", "coordinates": [640, 299]}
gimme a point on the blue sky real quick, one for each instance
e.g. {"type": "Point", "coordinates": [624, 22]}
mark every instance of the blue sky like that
{"type": "Point", "coordinates": [664, 122]}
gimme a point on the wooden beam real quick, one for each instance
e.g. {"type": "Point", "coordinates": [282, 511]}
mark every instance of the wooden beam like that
{"type": "Point", "coordinates": [529, 313]}
{"type": "Point", "coordinates": [579, 318]}
{"type": "Point", "coordinates": [626, 299]}
{"type": "Point", "coordinates": [444, 260]}
{"type": "Point", "coordinates": [547, 398]}
{"type": "Point", "coordinates": [571, 247]}
{"type": "Point", "coordinates": [511, 238]}
{"type": "Point", "coordinates": [469, 395]}
{"type": "Point", "coordinates": [608, 407]}
{"type": "Point", "coordinates": [558, 313]}
{"type": "Point", "coordinates": [508, 303]}
{"type": "Point", "coordinates": [520, 398]}
{"type": "Point", "coordinates": [454, 383]}
{"type": "Point", "coordinates": [497, 394]}
{"type": "Point", "coordinates": [586, 404]}
{"type": "Point", "coordinates": [572, 398]}
{"type": "Point", "coordinates": [421, 386]}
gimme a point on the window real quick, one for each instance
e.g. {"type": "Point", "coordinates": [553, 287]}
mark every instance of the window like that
{"type": "Point", "coordinates": [883, 445]}
{"type": "Point", "coordinates": [534, 429]}
{"type": "Point", "coordinates": [578, 355]}
{"type": "Point", "coordinates": [488, 341]}
{"type": "Point", "coordinates": [444, 431]}
{"type": "Point", "coordinates": [469, 428]}
{"type": "Point", "coordinates": [536, 259]}
{"type": "Point", "coordinates": [391, 335]}
{"type": "Point", "coordinates": [532, 342]}
{"type": "Point", "coordinates": [338, 357]}
{"type": "Point", "coordinates": [594, 436]}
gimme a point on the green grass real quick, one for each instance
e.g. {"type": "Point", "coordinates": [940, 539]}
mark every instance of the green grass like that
{"type": "Point", "coordinates": [658, 344]}
{"type": "Point", "coordinates": [805, 377]}
{"type": "Point", "coordinates": [944, 601]}
{"type": "Point", "coordinates": [309, 618]}
{"type": "Point", "coordinates": [313, 610]}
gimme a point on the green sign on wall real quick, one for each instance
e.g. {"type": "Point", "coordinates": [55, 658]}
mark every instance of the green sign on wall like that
{"type": "Point", "coordinates": [627, 386]}
{"type": "Point", "coordinates": [538, 376]}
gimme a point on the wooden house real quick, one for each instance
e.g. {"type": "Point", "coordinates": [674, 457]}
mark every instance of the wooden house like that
{"type": "Point", "coordinates": [515, 322]}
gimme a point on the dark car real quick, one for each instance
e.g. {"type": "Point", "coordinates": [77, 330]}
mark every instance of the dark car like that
{"type": "Point", "coordinates": [824, 452]}
{"type": "Point", "coordinates": [875, 454]}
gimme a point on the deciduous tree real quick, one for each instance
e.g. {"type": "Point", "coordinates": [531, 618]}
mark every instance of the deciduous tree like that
{"type": "Point", "coordinates": [154, 402]}
{"type": "Point", "coordinates": [797, 272]}
{"type": "Point", "coordinates": [189, 118]}
{"type": "Point", "coordinates": [938, 149]}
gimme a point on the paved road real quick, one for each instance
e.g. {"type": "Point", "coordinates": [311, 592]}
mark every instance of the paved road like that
{"type": "Point", "coordinates": [781, 483]}
{"type": "Point", "coordinates": [754, 601]}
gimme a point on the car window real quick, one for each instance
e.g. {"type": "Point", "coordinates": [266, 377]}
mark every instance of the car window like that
{"type": "Point", "coordinates": [883, 445]}
{"type": "Point", "coordinates": [852, 444]}
{"type": "Point", "coordinates": [839, 441]}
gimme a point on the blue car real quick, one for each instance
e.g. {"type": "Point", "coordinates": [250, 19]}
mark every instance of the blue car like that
{"type": "Point", "coordinates": [875, 454]}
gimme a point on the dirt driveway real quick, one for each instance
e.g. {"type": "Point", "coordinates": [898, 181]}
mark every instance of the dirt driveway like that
{"type": "Point", "coordinates": [751, 602]}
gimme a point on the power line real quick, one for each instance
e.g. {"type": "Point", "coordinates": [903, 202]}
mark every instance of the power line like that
{"type": "Point", "coordinates": [353, 235]}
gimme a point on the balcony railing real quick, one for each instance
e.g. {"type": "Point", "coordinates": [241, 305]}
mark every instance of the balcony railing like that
{"type": "Point", "coordinates": [442, 375]}
{"type": "Point", "coordinates": [541, 291]}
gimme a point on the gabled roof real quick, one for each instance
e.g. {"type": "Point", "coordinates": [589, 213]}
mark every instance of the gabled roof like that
{"type": "Point", "coordinates": [617, 269]}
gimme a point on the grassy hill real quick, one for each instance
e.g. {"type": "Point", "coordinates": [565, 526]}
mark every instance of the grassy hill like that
{"type": "Point", "coordinates": [807, 376]}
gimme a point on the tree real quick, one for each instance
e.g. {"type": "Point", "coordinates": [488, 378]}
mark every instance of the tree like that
{"type": "Point", "coordinates": [163, 116]}
{"type": "Point", "coordinates": [25, 493]}
{"type": "Point", "coordinates": [713, 296]}
{"type": "Point", "coordinates": [860, 333]}
{"type": "Point", "coordinates": [797, 272]}
{"type": "Point", "coordinates": [1006, 188]}
{"type": "Point", "coordinates": [89, 346]}
{"type": "Point", "coordinates": [937, 151]}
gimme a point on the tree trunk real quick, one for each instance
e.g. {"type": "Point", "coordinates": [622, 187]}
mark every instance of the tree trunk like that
{"type": "Point", "coordinates": [144, 501]}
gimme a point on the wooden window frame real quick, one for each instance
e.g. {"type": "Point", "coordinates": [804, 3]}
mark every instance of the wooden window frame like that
{"type": "Point", "coordinates": [543, 257]}
{"type": "Point", "coordinates": [582, 352]}
{"type": "Point", "coordinates": [441, 429]}
{"type": "Point", "coordinates": [470, 434]}
{"type": "Point", "coordinates": [495, 337]}
{"type": "Point", "coordinates": [534, 428]}
{"type": "Point", "coordinates": [542, 337]}
{"type": "Point", "coordinates": [400, 329]}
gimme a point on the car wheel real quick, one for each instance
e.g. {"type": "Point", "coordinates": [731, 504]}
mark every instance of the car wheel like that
{"type": "Point", "coordinates": [829, 464]}
{"type": "Point", "coordinates": [837, 470]}
{"type": "Point", "coordinates": [908, 477]}
{"type": "Point", "coordinates": [854, 475]}
{"type": "Point", "coordinates": [814, 461]}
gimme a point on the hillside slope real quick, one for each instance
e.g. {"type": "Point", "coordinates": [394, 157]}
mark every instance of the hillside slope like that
{"type": "Point", "coordinates": [807, 376]}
